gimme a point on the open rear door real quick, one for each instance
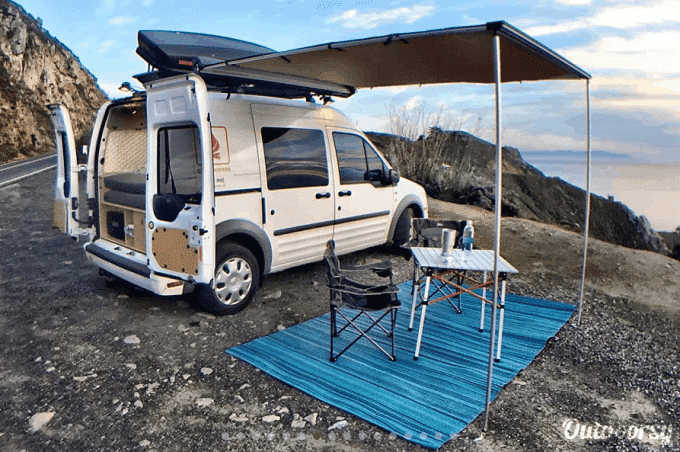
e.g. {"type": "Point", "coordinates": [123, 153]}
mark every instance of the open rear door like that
{"type": "Point", "coordinates": [66, 185]}
{"type": "Point", "coordinates": [180, 194]}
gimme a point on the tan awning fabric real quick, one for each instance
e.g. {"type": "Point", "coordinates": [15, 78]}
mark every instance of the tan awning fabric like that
{"type": "Point", "coordinates": [452, 55]}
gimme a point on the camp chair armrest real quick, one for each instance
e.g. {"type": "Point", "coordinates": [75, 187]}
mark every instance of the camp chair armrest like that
{"type": "Point", "coordinates": [383, 269]}
{"type": "Point", "coordinates": [371, 290]}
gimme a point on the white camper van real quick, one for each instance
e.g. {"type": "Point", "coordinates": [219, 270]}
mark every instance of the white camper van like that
{"type": "Point", "coordinates": [208, 180]}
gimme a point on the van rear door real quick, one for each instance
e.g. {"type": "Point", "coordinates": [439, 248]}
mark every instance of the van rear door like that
{"type": "Point", "coordinates": [180, 195]}
{"type": "Point", "coordinates": [66, 185]}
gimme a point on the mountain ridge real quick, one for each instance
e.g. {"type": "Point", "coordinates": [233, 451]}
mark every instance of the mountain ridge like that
{"type": "Point", "coordinates": [36, 69]}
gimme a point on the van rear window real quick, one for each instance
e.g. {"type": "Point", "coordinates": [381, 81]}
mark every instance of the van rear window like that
{"type": "Point", "coordinates": [179, 162]}
{"type": "Point", "coordinates": [294, 158]}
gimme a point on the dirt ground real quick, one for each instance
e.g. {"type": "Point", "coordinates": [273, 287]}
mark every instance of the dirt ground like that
{"type": "Point", "coordinates": [91, 365]}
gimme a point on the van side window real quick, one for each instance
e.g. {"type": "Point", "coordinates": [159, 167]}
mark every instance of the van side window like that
{"type": "Point", "coordinates": [294, 158]}
{"type": "Point", "coordinates": [355, 158]}
{"type": "Point", "coordinates": [179, 162]}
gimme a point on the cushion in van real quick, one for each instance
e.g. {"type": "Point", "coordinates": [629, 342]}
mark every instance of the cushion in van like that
{"type": "Point", "coordinates": [127, 182]}
{"type": "Point", "coordinates": [133, 200]}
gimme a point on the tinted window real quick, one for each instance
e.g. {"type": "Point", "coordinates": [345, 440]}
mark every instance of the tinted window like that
{"type": "Point", "coordinates": [355, 157]}
{"type": "Point", "coordinates": [294, 158]}
{"type": "Point", "coordinates": [179, 162]}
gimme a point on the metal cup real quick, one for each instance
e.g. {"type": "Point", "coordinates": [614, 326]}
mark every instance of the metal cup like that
{"type": "Point", "coordinates": [448, 241]}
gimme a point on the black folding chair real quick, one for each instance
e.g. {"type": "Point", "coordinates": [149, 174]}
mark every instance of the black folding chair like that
{"type": "Point", "coordinates": [358, 300]}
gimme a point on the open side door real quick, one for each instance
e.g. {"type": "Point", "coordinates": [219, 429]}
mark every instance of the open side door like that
{"type": "Point", "coordinates": [180, 195]}
{"type": "Point", "coordinates": [66, 185]}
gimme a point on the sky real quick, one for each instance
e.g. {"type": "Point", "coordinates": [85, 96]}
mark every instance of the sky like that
{"type": "Point", "coordinates": [630, 48]}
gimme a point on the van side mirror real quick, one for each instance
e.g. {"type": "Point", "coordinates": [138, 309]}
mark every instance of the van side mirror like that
{"type": "Point", "coordinates": [166, 207]}
{"type": "Point", "coordinates": [375, 175]}
{"type": "Point", "coordinates": [392, 177]}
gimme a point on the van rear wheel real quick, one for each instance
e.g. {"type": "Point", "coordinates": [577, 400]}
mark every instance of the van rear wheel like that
{"type": "Point", "coordinates": [237, 277]}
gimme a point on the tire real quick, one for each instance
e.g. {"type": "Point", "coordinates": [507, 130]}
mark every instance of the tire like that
{"type": "Point", "coordinates": [402, 233]}
{"type": "Point", "coordinates": [237, 278]}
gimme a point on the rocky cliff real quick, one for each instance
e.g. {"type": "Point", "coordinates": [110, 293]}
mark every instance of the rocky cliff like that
{"type": "Point", "coordinates": [528, 193]}
{"type": "Point", "coordinates": [36, 70]}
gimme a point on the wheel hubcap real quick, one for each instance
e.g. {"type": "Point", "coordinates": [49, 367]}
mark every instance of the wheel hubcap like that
{"type": "Point", "coordinates": [233, 280]}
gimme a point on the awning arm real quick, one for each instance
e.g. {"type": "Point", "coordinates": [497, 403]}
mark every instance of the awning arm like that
{"type": "Point", "coordinates": [497, 236]}
{"type": "Point", "coordinates": [586, 226]}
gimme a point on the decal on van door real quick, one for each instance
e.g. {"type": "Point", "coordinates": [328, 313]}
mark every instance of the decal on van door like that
{"type": "Point", "coordinates": [220, 145]}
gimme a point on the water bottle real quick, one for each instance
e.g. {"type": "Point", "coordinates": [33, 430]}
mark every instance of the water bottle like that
{"type": "Point", "coordinates": [468, 236]}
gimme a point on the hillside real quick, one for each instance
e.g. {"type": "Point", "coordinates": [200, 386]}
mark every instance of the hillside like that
{"type": "Point", "coordinates": [529, 194]}
{"type": "Point", "coordinates": [36, 70]}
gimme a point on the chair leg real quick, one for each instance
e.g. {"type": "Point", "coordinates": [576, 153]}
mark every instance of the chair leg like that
{"type": "Point", "coordinates": [364, 333]}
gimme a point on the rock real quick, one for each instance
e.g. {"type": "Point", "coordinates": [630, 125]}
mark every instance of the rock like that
{"type": "Point", "coordinates": [133, 340]}
{"type": "Point", "coordinates": [238, 418]}
{"type": "Point", "coordinates": [39, 420]}
{"type": "Point", "coordinates": [139, 404]}
{"type": "Point", "coordinates": [338, 425]}
{"type": "Point", "coordinates": [271, 418]}
{"type": "Point", "coordinates": [312, 418]}
{"type": "Point", "coordinates": [280, 328]}
{"type": "Point", "coordinates": [206, 371]}
{"type": "Point", "coordinates": [274, 295]}
{"type": "Point", "coordinates": [204, 401]}
{"type": "Point", "coordinates": [299, 423]}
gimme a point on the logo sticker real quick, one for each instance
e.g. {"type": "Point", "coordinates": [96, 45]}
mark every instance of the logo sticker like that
{"type": "Point", "coordinates": [220, 145]}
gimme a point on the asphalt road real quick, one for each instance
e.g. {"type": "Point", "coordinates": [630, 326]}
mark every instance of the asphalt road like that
{"type": "Point", "coordinates": [16, 171]}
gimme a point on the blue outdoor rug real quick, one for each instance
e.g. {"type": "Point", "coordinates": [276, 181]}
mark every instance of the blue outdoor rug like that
{"type": "Point", "coordinates": [427, 401]}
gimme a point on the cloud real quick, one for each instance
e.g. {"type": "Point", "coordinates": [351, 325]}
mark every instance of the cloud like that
{"type": "Point", "coordinates": [574, 2]}
{"type": "Point", "coordinates": [122, 20]}
{"type": "Point", "coordinates": [651, 53]}
{"type": "Point", "coordinates": [108, 45]}
{"type": "Point", "coordinates": [618, 17]}
{"type": "Point", "coordinates": [368, 20]}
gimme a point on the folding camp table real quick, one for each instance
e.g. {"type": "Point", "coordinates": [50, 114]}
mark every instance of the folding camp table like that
{"type": "Point", "coordinates": [429, 264]}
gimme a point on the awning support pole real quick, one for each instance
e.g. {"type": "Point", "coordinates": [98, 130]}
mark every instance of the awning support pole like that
{"type": "Point", "coordinates": [497, 235]}
{"type": "Point", "coordinates": [587, 207]}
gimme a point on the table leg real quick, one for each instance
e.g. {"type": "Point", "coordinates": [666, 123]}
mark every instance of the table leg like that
{"type": "Point", "coordinates": [481, 319]}
{"type": "Point", "coordinates": [415, 288]}
{"type": "Point", "coordinates": [500, 324]}
{"type": "Point", "coordinates": [422, 317]}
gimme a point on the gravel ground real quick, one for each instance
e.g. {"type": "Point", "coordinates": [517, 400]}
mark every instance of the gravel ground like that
{"type": "Point", "coordinates": [92, 365]}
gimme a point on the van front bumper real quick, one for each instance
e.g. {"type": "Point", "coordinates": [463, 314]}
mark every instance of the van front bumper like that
{"type": "Point", "coordinates": [131, 266]}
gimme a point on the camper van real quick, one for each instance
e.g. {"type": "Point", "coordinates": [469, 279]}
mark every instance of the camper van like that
{"type": "Point", "coordinates": [210, 179]}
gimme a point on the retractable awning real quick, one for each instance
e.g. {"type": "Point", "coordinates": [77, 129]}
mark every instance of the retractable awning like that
{"type": "Point", "coordinates": [450, 55]}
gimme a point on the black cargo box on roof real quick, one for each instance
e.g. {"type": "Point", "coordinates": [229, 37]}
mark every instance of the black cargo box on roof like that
{"type": "Point", "coordinates": [183, 51]}
{"type": "Point", "coordinates": [172, 53]}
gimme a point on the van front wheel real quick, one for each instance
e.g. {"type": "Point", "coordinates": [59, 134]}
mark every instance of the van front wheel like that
{"type": "Point", "coordinates": [237, 276]}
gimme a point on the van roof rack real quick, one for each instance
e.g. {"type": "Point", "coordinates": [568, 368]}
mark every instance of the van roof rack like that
{"type": "Point", "coordinates": [173, 53]}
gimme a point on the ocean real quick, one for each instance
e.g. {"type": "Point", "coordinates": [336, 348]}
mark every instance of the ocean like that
{"type": "Point", "coordinates": [649, 189]}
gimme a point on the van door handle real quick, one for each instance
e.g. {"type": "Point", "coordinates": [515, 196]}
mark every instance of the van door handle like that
{"type": "Point", "coordinates": [323, 195]}
{"type": "Point", "coordinates": [345, 193]}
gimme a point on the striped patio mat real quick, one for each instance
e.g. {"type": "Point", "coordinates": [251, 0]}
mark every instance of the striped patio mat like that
{"type": "Point", "coordinates": [427, 401]}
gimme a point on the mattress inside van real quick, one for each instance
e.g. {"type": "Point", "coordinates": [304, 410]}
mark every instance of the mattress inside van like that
{"type": "Point", "coordinates": [127, 189]}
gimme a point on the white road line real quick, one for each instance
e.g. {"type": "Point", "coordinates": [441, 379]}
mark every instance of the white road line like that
{"type": "Point", "coordinates": [3, 184]}
{"type": "Point", "coordinates": [7, 167]}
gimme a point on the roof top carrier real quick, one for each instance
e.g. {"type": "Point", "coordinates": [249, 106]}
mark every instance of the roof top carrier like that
{"type": "Point", "coordinates": [172, 53]}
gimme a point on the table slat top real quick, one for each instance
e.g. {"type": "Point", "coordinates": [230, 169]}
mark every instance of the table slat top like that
{"type": "Point", "coordinates": [474, 260]}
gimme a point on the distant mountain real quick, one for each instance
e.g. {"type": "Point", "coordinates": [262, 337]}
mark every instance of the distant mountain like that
{"type": "Point", "coordinates": [528, 193]}
{"type": "Point", "coordinates": [36, 70]}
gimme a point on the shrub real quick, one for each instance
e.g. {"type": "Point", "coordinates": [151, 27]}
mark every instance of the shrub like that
{"type": "Point", "coordinates": [438, 161]}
